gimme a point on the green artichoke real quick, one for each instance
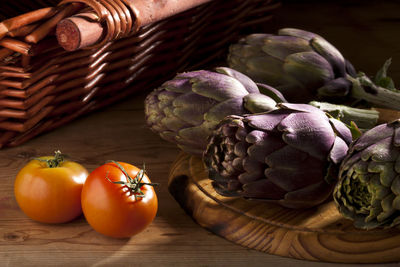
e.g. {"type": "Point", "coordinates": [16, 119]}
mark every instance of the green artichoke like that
{"type": "Point", "coordinates": [186, 109]}
{"type": "Point", "coordinates": [368, 190]}
{"type": "Point", "coordinates": [305, 67]}
{"type": "Point", "coordinates": [290, 155]}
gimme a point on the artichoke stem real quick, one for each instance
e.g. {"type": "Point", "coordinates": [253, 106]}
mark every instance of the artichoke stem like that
{"type": "Point", "coordinates": [363, 118]}
{"type": "Point", "coordinates": [364, 89]}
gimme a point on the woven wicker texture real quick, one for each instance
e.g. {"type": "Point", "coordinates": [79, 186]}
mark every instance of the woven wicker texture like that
{"type": "Point", "coordinates": [42, 86]}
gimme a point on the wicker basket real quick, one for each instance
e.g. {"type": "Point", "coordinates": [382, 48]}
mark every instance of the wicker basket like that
{"type": "Point", "coordinates": [44, 86]}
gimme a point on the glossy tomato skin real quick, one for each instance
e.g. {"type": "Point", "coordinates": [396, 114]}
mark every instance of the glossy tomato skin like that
{"type": "Point", "coordinates": [111, 209]}
{"type": "Point", "coordinates": [50, 195]}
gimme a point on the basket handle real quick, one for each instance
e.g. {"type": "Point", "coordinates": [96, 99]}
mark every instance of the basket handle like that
{"type": "Point", "coordinates": [108, 20]}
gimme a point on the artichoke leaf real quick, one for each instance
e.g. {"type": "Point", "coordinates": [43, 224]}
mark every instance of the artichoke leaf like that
{"type": "Point", "coordinates": [331, 54]}
{"type": "Point", "coordinates": [257, 103]}
{"type": "Point", "coordinates": [361, 167]}
{"type": "Point", "coordinates": [255, 38]}
{"type": "Point", "coordinates": [311, 69]}
{"type": "Point", "coordinates": [385, 170]}
{"type": "Point", "coordinates": [240, 149]}
{"type": "Point", "coordinates": [253, 165]}
{"type": "Point", "coordinates": [349, 161]}
{"type": "Point", "coordinates": [247, 177]}
{"type": "Point", "coordinates": [309, 196]}
{"type": "Point", "coordinates": [396, 137]}
{"type": "Point", "coordinates": [217, 86]}
{"type": "Point", "coordinates": [397, 165]}
{"type": "Point", "coordinates": [338, 151]}
{"type": "Point", "coordinates": [282, 46]}
{"type": "Point", "coordinates": [289, 158]}
{"type": "Point", "coordinates": [266, 121]}
{"type": "Point", "coordinates": [395, 187]}
{"type": "Point", "coordinates": [190, 107]}
{"type": "Point", "coordinates": [306, 35]}
{"type": "Point", "coordinates": [178, 85]}
{"type": "Point", "coordinates": [271, 92]}
{"type": "Point", "coordinates": [219, 111]}
{"type": "Point", "coordinates": [262, 149]}
{"type": "Point", "coordinates": [387, 208]}
{"type": "Point", "coordinates": [173, 123]}
{"type": "Point", "coordinates": [296, 132]}
{"type": "Point", "coordinates": [294, 179]}
{"type": "Point", "coordinates": [396, 202]}
{"type": "Point", "coordinates": [373, 135]}
{"type": "Point", "coordinates": [337, 87]}
{"type": "Point", "coordinates": [248, 83]}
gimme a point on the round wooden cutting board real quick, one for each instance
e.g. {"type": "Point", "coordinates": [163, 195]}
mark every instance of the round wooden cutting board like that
{"type": "Point", "coordinates": [317, 234]}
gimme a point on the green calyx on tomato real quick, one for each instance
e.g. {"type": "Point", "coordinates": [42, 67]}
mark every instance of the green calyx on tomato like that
{"type": "Point", "coordinates": [53, 162]}
{"type": "Point", "coordinates": [134, 184]}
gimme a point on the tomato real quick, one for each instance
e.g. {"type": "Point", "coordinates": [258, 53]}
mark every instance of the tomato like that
{"type": "Point", "coordinates": [48, 189]}
{"type": "Point", "coordinates": [118, 205]}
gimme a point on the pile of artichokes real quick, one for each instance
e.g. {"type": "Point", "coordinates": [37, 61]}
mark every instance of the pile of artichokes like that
{"type": "Point", "coordinates": [262, 139]}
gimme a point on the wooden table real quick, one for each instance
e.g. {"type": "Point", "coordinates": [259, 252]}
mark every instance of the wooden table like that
{"type": "Point", "coordinates": [173, 239]}
{"type": "Point", "coordinates": [119, 133]}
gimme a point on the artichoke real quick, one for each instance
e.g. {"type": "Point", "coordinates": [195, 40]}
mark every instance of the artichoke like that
{"type": "Point", "coordinates": [187, 108]}
{"type": "Point", "coordinates": [368, 190]}
{"type": "Point", "coordinates": [290, 155]}
{"type": "Point", "coordinates": [305, 67]}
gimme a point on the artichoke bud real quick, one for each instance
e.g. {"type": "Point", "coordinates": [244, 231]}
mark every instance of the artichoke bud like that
{"type": "Point", "coordinates": [305, 67]}
{"type": "Point", "coordinates": [295, 61]}
{"type": "Point", "coordinates": [289, 156]}
{"type": "Point", "coordinates": [187, 108]}
{"type": "Point", "coordinates": [368, 189]}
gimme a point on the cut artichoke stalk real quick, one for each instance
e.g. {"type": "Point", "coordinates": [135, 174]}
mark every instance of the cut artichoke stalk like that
{"type": "Point", "coordinates": [289, 156]}
{"type": "Point", "coordinates": [305, 67]}
{"type": "Point", "coordinates": [368, 190]}
{"type": "Point", "coordinates": [364, 89]}
{"type": "Point", "coordinates": [364, 119]}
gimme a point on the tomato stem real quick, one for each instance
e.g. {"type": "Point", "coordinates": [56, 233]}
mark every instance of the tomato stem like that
{"type": "Point", "coordinates": [134, 184]}
{"type": "Point", "coordinates": [54, 162]}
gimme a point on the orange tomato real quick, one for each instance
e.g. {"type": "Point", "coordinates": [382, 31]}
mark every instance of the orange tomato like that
{"type": "Point", "coordinates": [118, 200]}
{"type": "Point", "coordinates": [48, 189]}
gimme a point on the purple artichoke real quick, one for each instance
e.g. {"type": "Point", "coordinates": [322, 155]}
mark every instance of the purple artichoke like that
{"type": "Point", "coordinates": [304, 67]}
{"type": "Point", "coordinates": [187, 108]}
{"type": "Point", "coordinates": [289, 156]}
{"type": "Point", "coordinates": [368, 190]}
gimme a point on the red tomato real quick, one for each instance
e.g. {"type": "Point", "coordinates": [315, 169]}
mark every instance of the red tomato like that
{"type": "Point", "coordinates": [111, 203]}
{"type": "Point", "coordinates": [48, 189]}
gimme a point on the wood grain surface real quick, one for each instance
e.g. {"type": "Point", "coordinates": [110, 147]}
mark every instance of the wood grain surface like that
{"type": "Point", "coordinates": [117, 133]}
{"type": "Point", "coordinates": [316, 234]}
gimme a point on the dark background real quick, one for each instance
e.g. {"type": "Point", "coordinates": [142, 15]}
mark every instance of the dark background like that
{"type": "Point", "coordinates": [366, 32]}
